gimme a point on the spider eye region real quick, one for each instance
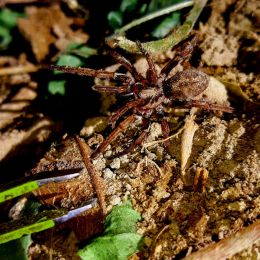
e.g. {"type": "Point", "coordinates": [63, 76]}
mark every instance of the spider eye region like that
{"type": "Point", "coordinates": [186, 84]}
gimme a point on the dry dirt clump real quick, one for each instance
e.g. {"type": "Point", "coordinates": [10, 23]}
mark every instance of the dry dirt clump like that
{"type": "Point", "coordinates": [231, 26]}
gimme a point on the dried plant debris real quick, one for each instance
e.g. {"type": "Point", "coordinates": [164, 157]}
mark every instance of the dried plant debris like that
{"type": "Point", "coordinates": [46, 26]}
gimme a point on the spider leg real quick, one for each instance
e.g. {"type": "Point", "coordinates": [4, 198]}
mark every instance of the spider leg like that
{"type": "Point", "coordinates": [119, 129]}
{"type": "Point", "coordinates": [92, 73]}
{"type": "Point", "coordinates": [166, 133]}
{"type": "Point", "coordinates": [183, 54]}
{"type": "Point", "coordinates": [152, 74]}
{"type": "Point", "coordinates": [137, 142]}
{"type": "Point", "coordinates": [127, 64]}
{"type": "Point", "coordinates": [209, 106]}
{"type": "Point", "coordinates": [108, 89]}
{"type": "Point", "coordinates": [121, 111]}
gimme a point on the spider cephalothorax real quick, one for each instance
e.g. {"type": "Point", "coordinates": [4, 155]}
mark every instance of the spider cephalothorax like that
{"type": "Point", "coordinates": [149, 95]}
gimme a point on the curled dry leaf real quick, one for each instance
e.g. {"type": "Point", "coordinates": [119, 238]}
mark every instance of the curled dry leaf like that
{"type": "Point", "coordinates": [46, 26]}
{"type": "Point", "coordinates": [190, 128]}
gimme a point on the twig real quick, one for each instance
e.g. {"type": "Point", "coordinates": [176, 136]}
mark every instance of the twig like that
{"type": "Point", "coordinates": [229, 246]}
{"type": "Point", "coordinates": [98, 185]}
{"type": "Point", "coordinates": [4, 2]}
{"type": "Point", "coordinates": [145, 145]}
{"type": "Point", "coordinates": [164, 11]}
{"type": "Point", "coordinates": [18, 70]}
{"type": "Point", "coordinates": [160, 46]}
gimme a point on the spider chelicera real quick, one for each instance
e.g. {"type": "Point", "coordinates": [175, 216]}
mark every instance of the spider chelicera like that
{"type": "Point", "coordinates": [151, 94]}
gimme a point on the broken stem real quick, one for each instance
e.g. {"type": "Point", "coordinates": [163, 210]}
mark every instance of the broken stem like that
{"type": "Point", "coordinates": [162, 45]}
{"type": "Point", "coordinates": [18, 70]}
{"type": "Point", "coordinates": [96, 180]}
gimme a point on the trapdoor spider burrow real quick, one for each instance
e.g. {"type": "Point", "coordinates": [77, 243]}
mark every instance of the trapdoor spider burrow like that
{"type": "Point", "coordinates": [151, 94]}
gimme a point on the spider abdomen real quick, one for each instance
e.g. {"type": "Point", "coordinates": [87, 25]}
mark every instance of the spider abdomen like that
{"type": "Point", "coordinates": [186, 84]}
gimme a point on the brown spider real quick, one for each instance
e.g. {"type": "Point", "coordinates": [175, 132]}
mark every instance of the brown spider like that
{"type": "Point", "coordinates": [151, 94]}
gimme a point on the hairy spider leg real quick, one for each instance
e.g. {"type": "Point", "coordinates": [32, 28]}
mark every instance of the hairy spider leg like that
{"type": "Point", "coordinates": [114, 134]}
{"type": "Point", "coordinates": [151, 73]}
{"type": "Point", "coordinates": [127, 64]}
{"type": "Point", "coordinates": [183, 54]}
{"type": "Point", "coordinates": [122, 110]}
{"type": "Point", "coordinates": [92, 73]}
{"type": "Point", "coordinates": [137, 142]}
{"type": "Point", "coordinates": [208, 106]}
{"type": "Point", "coordinates": [108, 89]}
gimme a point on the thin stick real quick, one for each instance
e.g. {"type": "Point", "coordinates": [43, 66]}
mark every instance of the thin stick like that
{"type": "Point", "coordinates": [96, 180]}
{"type": "Point", "coordinates": [18, 70]}
{"type": "Point", "coordinates": [145, 145]}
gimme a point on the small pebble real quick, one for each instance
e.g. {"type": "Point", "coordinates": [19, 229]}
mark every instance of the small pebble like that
{"type": "Point", "coordinates": [128, 187]}
{"type": "Point", "coordinates": [124, 159]}
{"type": "Point", "coordinates": [108, 153]}
{"type": "Point", "coordinates": [115, 163]}
{"type": "Point", "coordinates": [239, 206]}
{"type": "Point", "coordinates": [107, 173]}
{"type": "Point", "coordinates": [116, 201]}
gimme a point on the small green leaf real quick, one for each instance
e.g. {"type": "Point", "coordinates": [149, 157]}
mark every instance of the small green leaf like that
{"type": "Point", "coordinates": [16, 249]}
{"type": "Point", "coordinates": [5, 37]}
{"type": "Point", "coordinates": [8, 17]}
{"type": "Point", "coordinates": [74, 57]}
{"type": "Point", "coordinates": [122, 219]}
{"type": "Point", "coordinates": [128, 5]}
{"type": "Point", "coordinates": [115, 19]}
{"type": "Point", "coordinates": [166, 25]}
{"type": "Point", "coordinates": [84, 51]}
{"type": "Point", "coordinates": [118, 247]}
{"type": "Point", "coordinates": [57, 87]}
{"type": "Point", "coordinates": [68, 60]}
{"type": "Point", "coordinates": [120, 239]}
{"type": "Point", "coordinates": [7, 22]}
{"type": "Point", "coordinates": [72, 46]}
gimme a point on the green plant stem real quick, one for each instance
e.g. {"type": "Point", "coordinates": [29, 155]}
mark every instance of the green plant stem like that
{"type": "Point", "coordinates": [162, 45]}
{"type": "Point", "coordinates": [154, 15]}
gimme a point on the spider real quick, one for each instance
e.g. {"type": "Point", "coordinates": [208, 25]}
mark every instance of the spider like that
{"type": "Point", "coordinates": [151, 94]}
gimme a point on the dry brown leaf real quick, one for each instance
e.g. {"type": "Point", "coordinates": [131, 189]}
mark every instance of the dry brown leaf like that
{"type": "Point", "coordinates": [46, 26]}
{"type": "Point", "coordinates": [69, 193]}
{"type": "Point", "coordinates": [190, 128]}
